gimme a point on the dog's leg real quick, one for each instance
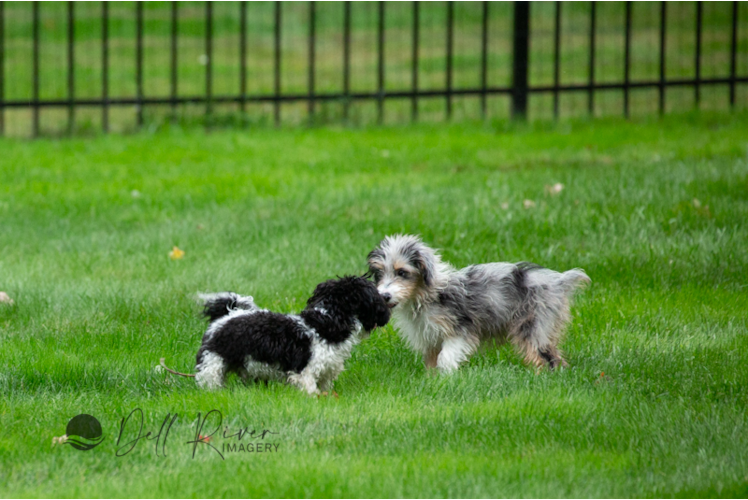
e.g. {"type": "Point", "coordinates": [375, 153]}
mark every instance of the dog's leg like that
{"type": "Point", "coordinates": [430, 356]}
{"type": "Point", "coordinates": [551, 357]}
{"type": "Point", "coordinates": [455, 351]}
{"type": "Point", "coordinates": [211, 372]}
{"type": "Point", "coordinates": [244, 375]}
{"type": "Point", "coordinates": [327, 377]}
{"type": "Point", "coordinates": [325, 383]}
{"type": "Point", "coordinates": [305, 382]}
{"type": "Point", "coordinates": [538, 346]}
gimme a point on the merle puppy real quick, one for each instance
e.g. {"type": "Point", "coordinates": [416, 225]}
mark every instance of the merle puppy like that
{"type": "Point", "coordinates": [307, 350]}
{"type": "Point", "coordinates": [446, 313]}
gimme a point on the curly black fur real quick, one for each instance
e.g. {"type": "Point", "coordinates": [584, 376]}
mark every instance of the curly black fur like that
{"type": "Point", "coordinates": [344, 300]}
{"type": "Point", "coordinates": [283, 341]}
{"type": "Point", "coordinates": [220, 305]}
{"type": "Point", "coordinates": [266, 336]}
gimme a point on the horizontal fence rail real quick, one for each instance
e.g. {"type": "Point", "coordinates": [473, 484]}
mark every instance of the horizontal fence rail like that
{"type": "Point", "coordinates": [278, 54]}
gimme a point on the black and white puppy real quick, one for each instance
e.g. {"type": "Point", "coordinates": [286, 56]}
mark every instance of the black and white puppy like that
{"type": "Point", "coordinates": [445, 313]}
{"type": "Point", "coordinates": [308, 350]}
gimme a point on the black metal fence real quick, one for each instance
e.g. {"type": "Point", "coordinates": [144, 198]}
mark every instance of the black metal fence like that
{"type": "Point", "coordinates": [500, 46]}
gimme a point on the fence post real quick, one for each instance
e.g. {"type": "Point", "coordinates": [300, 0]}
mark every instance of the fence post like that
{"type": "Point", "coordinates": [105, 66]}
{"type": "Point", "coordinates": [35, 76]}
{"type": "Point", "coordinates": [173, 54]}
{"type": "Point", "coordinates": [243, 60]}
{"type": "Point", "coordinates": [380, 64]}
{"type": "Point", "coordinates": [663, 52]}
{"type": "Point", "coordinates": [593, 29]}
{"type": "Point", "coordinates": [697, 61]}
{"type": "Point", "coordinates": [277, 63]}
{"type": "Point", "coordinates": [346, 60]}
{"type": "Point", "coordinates": [71, 67]}
{"type": "Point", "coordinates": [414, 58]}
{"type": "Point", "coordinates": [484, 61]}
{"type": "Point", "coordinates": [627, 60]}
{"type": "Point", "coordinates": [733, 52]}
{"type": "Point", "coordinates": [556, 58]}
{"type": "Point", "coordinates": [450, 50]}
{"type": "Point", "coordinates": [208, 62]}
{"type": "Point", "coordinates": [139, 61]}
{"type": "Point", "coordinates": [2, 68]}
{"type": "Point", "coordinates": [312, 43]}
{"type": "Point", "coordinates": [520, 57]}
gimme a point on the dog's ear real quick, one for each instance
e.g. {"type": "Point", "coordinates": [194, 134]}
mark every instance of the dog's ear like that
{"type": "Point", "coordinates": [339, 301]}
{"type": "Point", "coordinates": [320, 291]}
{"type": "Point", "coordinates": [375, 260]}
{"type": "Point", "coordinates": [425, 265]}
{"type": "Point", "coordinates": [373, 311]}
{"type": "Point", "coordinates": [375, 255]}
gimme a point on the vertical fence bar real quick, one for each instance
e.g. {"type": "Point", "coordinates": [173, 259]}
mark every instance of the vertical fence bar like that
{"type": "Point", "coordinates": [519, 62]}
{"type": "Point", "coordinates": [697, 61]}
{"type": "Point", "coordinates": [105, 65]}
{"type": "Point", "coordinates": [556, 57]}
{"type": "Point", "coordinates": [35, 76]}
{"type": "Point", "coordinates": [593, 29]}
{"type": "Point", "coordinates": [450, 47]}
{"type": "Point", "coordinates": [663, 23]}
{"type": "Point", "coordinates": [346, 59]}
{"type": "Point", "coordinates": [380, 63]}
{"type": "Point", "coordinates": [2, 68]}
{"type": "Point", "coordinates": [312, 41]}
{"type": "Point", "coordinates": [733, 53]}
{"type": "Point", "coordinates": [209, 61]}
{"type": "Point", "coordinates": [243, 58]}
{"type": "Point", "coordinates": [414, 57]}
{"type": "Point", "coordinates": [627, 61]}
{"type": "Point", "coordinates": [174, 68]}
{"type": "Point", "coordinates": [139, 60]}
{"type": "Point", "coordinates": [71, 66]}
{"type": "Point", "coordinates": [484, 60]}
{"type": "Point", "coordinates": [276, 63]}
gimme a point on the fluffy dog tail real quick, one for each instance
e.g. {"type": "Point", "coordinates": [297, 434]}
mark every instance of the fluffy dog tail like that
{"type": "Point", "coordinates": [218, 305]}
{"type": "Point", "coordinates": [573, 279]}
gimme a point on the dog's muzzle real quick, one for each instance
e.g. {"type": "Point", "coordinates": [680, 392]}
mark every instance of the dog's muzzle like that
{"type": "Point", "coordinates": [388, 300]}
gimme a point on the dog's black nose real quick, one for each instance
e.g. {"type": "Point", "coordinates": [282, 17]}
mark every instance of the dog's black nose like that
{"type": "Point", "coordinates": [386, 296]}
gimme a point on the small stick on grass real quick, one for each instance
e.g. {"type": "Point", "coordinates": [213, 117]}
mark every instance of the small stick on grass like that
{"type": "Point", "coordinates": [163, 365]}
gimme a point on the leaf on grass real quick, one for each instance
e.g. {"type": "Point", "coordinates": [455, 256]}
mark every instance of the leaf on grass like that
{"type": "Point", "coordinates": [555, 189]}
{"type": "Point", "coordinates": [176, 253]}
{"type": "Point", "coordinates": [602, 378]}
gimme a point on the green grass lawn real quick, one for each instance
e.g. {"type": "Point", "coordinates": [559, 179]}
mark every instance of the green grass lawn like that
{"type": "Point", "coordinates": [654, 403]}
